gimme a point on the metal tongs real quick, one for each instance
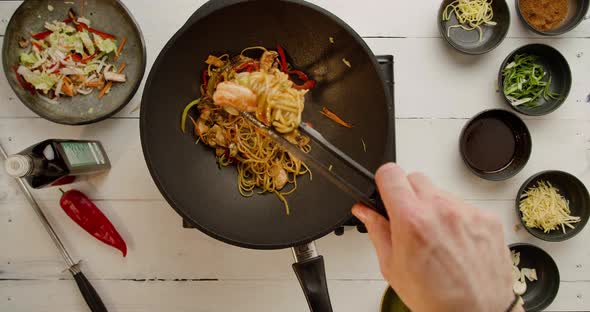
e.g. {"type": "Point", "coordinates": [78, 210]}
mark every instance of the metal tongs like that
{"type": "Point", "coordinates": [358, 182]}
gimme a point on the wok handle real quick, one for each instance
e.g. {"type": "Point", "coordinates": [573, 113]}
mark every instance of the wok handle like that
{"type": "Point", "coordinates": [378, 205]}
{"type": "Point", "coordinates": [311, 274]}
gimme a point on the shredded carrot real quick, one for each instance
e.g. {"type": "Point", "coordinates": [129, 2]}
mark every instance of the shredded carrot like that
{"type": "Point", "coordinates": [110, 83]}
{"type": "Point", "coordinates": [326, 112]}
{"type": "Point", "coordinates": [260, 131]}
{"type": "Point", "coordinates": [67, 88]}
{"type": "Point", "coordinates": [95, 84]}
{"type": "Point", "coordinates": [118, 52]}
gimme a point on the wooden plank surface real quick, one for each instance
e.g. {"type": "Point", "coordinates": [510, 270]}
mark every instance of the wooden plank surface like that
{"type": "Point", "coordinates": [211, 296]}
{"type": "Point", "coordinates": [220, 277]}
{"type": "Point", "coordinates": [159, 248]}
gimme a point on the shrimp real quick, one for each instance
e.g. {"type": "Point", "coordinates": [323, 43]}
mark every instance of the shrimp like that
{"type": "Point", "coordinates": [279, 176]}
{"type": "Point", "coordinates": [236, 96]}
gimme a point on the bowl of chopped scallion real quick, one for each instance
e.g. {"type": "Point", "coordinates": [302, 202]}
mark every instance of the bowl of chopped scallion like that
{"type": "Point", "coordinates": [535, 79]}
{"type": "Point", "coordinates": [474, 26]}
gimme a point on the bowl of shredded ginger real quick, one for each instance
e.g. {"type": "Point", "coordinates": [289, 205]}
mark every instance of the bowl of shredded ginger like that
{"type": "Point", "coordinates": [553, 205]}
{"type": "Point", "coordinates": [474, 26]}
{"type": "Point", "coordinates": [552, 17]}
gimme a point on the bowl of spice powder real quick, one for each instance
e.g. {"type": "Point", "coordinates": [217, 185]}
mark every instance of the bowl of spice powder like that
{"type": "Point", "coordinates": [552, 17]}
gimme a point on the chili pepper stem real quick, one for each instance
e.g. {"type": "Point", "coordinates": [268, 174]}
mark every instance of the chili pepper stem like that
{"type": "Point", "coordinates": [62, 191]}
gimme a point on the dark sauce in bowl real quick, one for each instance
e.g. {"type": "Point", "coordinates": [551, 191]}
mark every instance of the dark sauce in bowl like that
{"type": "Point", "coordinates": [490, 144]}
{"type": "Point", "coordinates": [495, 144]}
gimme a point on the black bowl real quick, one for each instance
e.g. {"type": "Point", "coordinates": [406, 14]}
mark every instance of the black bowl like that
{"type": "Point", "coordinates": [110, 16]}
{"type": "Point", "coordinates": [577, 12]}
{"type": "Point", "coordinates": [488, 153]}
{"type": "Point", "coordinates": [391, 302]}
{"type": "Point", "coordinates": [569, 187]}
{"type": "Point", "coordinates": [540, 293]}
{"type": "Point", "coordinates": [468, 41]}
{"type": "Point", "coordinates": [555, 65]}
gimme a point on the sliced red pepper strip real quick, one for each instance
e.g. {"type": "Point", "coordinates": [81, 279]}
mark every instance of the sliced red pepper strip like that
{"type": "Point", "coordinates": [88, 59]}
{"type": "Point", "coordinates": [23, 83]}
{"type": "Point", "coordinates": [310, 84]}
{"type": "Point", "coordinates": [82, 26]}
{"type": "Point", "coordinates": [248, 66]}
{"type": "Point", "coordinates": [42, 35]}
{"type": "Point", "coordinates": [76, 57]}
{"type": "Point", "coordinates": [282, 58]}
{"type": "Point", "coordinates": [69, 20]}
{"type": "Point", "coordinates": [100, 33]}
{"type": "Point", "coordinates": [301, 75]}
{"type": "Point", "coordinates": [204, 77]}
{"type": "Point", "coordinates": [38, 46]}
{"type": "Point", "coordinates": [87, 215]}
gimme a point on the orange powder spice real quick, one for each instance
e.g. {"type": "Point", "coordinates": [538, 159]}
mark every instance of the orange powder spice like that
{"type": "Point", "coordinates": [544, 15]}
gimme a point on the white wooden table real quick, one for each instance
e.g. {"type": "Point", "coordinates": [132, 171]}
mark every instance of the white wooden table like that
{"type": "Point", "coordinates": [174, 269]}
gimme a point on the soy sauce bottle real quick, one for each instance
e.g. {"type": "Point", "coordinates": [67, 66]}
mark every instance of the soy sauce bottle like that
{"type": "Point", "coordinates": [57, 162]}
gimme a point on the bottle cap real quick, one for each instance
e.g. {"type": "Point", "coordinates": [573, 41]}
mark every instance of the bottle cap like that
{"type": "Point", "coordinates": [18, 166]}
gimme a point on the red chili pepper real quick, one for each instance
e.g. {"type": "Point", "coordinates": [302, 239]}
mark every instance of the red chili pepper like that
{"type": "Point", "coordinates": [306, 85]}
{"type": "Point", "coordinates": [282, 58]}
{"type": "Point", "coordinates": [85, 213]}
{"type": "Point", "coordinates": [69, 20]}
{"type": "Point", "coordinates": [23, 83]}
{"type": "Point", "coordinates": [42, 35]}
{"type": "Point", "coordinates": [301, 75]}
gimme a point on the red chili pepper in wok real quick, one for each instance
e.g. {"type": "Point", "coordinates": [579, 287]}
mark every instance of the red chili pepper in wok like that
{"type": "Point", "coordinates": [85, 213]}
{"type": "Point", "coordinates": [248, 67]}
{"type": "Point", "coordinates": [282, 58]}
{"type": "Point", "coordinates": [310, 84]}
{"type": "Point", "coordinates": [307, 83]}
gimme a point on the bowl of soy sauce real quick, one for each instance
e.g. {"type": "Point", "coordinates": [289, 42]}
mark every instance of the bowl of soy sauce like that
{"type": "Point", "coordinates": [495, 144]}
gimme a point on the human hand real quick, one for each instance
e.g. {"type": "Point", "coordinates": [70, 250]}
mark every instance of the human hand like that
{"type": "Point", "coordinates": [438, 253]}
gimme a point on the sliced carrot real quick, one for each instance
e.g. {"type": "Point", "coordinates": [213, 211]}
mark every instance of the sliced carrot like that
{"type": "Point", "coordinates": [118, 52]}
{"type": "Point", "coordinates": [95, 84]}
{"type": "Point", "coordinates": [67, 88]}
{"type": "Point", "coordinates": [326, 112]}
{"type": "Point", "coordinates": [110, 83]}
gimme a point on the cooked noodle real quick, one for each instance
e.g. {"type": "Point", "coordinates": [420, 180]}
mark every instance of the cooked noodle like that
{"type": "Point", "coordinates": [262, 165]}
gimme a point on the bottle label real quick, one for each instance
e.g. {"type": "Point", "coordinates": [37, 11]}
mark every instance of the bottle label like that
{"type": "Point", "coordinates": [81, 154]}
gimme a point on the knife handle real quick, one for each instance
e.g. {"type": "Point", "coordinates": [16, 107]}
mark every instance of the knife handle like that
{"type": "Point", "coordinates": [89, 293]}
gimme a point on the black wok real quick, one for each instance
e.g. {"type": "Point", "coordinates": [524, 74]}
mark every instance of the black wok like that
{"type": "Point", "coordinates": [207, 197]}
